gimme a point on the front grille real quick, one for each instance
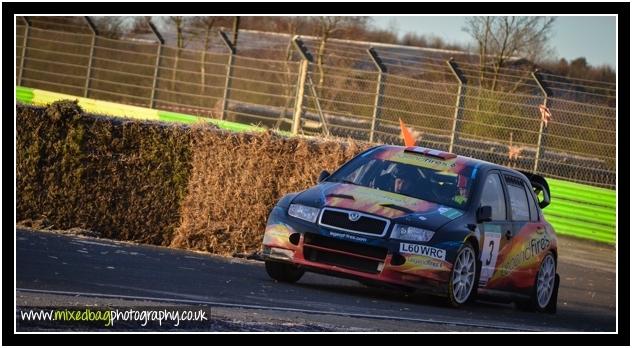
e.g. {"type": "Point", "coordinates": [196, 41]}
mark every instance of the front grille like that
{"type": "Point", "coordinates": [366, 224]}
{"type": "Point", "coordinates": [341, 260]}
{"type": "Point", "coordinates": [356, 257]}
{"type": "Point", "coordinates": [345, 246]}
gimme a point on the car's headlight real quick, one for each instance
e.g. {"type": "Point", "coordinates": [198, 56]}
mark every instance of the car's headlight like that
{"type": "Point", "coordinates": [411, 233]}
{"type": "Point", "coordinates": [303, 212]}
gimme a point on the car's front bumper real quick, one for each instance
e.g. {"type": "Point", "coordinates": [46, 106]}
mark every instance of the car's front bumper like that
{"type": "Point", "coordinates": [352, 255]}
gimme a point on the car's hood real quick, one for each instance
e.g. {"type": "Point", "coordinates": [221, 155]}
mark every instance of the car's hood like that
{"type": "Point", "coordinates": [394, 206]}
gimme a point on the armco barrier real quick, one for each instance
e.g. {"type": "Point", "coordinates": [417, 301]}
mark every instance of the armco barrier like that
{"type": "Point", "coordinates": [577, 210]}
{"type": "Point", "coordinates": [582, 211]}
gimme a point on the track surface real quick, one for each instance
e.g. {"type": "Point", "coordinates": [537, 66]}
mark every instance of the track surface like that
{"type": "Point", "coordinates": [53, 267]}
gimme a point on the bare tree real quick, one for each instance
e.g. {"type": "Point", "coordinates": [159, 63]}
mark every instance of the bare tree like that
{"type": "Point", "coordinates": [184, 35]}
{"type": "Point", "coordinates": [501, 42]}
{"type": "Point", "coordinates": [501, 39]}
{"type": "Point", "coordinates": [205, 24]}
{"type": "Point", "coordinates": [327, 27]}
{"type": "Point", "coordinates": [113, 27]}
{"type": "Point", "coordinates": [386, 36]}
{"type": "Point", "coordinates": [139, 25]}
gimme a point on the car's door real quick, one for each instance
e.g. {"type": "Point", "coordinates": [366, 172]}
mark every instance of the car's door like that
{"type": "Point", "coordinates": [528, 239]}
{"type": "Point", "coordinates": [493, 232]}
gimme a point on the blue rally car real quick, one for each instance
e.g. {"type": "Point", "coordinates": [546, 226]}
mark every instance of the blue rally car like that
{"type": "Point", "coordinates": [424, 219]}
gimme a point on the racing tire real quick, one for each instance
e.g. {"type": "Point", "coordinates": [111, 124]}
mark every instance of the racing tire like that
{"type": "Point", "coordinates": [544, 291]}
{"type": "Point", "coordinates": [463, 278]}
{"type": "Point", "coordinates": [284, 272]}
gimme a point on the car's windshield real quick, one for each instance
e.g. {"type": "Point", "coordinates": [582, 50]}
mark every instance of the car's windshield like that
{"type": "Point", "coordinates": [427, 182]}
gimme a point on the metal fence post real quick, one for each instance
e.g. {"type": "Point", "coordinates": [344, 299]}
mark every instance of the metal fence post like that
{"type": "Point", "coordinates": [24, 43]}
{"type": "Point", "coordinates": [317, 102]}
{"type": "Point", "coordinates": [300, 91]}
{"type": "Point", "coordinates": [379, 91]}
{"type": "Point", "coordinates": [458, 107]}
{"type": "Point", "coordinates": [229, 71]}
{"type": "Point", "coordinates": [306, 57]}
{"type": "Point", "coordinates": [538, 151]}
{"type": "Point", "coordinates": [93, 28]}
{"type": "Point", "coordinates": [236, 21]}
{"type": "Point", "coordinates": [161, 42]}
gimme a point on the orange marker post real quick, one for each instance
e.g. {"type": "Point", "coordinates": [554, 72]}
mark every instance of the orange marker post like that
{"type": "Point", "coordinates": [406, 134]}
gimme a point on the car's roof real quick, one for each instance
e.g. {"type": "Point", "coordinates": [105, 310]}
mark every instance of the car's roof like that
{"type": "Point", "coordinates": [464, 160]}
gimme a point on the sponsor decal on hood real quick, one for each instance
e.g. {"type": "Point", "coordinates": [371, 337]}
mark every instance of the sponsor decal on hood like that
{"type": "Point", "coordinates": [372, 201]}
{"type": "Point", "coordinates": [385, 204]}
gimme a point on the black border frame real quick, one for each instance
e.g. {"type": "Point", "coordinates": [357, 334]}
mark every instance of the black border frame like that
{"type": "Point", "coordinates": [623, 336]}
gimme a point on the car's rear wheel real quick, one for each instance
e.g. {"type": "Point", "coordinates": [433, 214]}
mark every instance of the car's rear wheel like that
{"type": "Point", "coordinates": [544, 291]}
{"type": "Point", "coordinates": [545, 282]}
{"type": "Point", "coordinates": [284, 272]}
{"type": "Point", "coordinates": [463, 277]}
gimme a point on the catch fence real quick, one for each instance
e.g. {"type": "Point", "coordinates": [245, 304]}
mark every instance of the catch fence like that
{"type": "Point", "coordinates": [556, 126]}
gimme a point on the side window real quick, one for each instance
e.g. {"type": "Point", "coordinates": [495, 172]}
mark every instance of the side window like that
{"type": "Point", "coordinates": [533, 210]}
{"type": "Point", "coordinates": [493, 196]}
{"type": "Point", "coordinates": [518, 200]}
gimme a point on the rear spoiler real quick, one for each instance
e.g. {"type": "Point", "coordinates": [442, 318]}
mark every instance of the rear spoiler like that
{"type": "Point", "coordinates": [539, 186]}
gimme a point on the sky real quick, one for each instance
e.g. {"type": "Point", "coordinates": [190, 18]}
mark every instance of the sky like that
{"type": "Point", "coordinates": [572, 37]}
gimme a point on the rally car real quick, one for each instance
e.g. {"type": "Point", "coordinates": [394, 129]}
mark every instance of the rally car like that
{"type": "Point", "coordinates": [421, 219]}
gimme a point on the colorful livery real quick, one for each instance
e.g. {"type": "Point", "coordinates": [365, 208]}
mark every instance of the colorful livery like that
{"type": "Point", "coordinates": [423, 219]}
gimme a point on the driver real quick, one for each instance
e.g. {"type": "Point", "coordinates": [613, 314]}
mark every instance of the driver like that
{"type": "Point", "coordinates": [405, 177]}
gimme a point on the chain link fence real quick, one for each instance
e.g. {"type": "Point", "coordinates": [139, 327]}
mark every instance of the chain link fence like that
{"type": "Point", "coordinates": [559, 127]}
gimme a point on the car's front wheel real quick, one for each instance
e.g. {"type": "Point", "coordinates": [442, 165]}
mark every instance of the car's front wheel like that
{"type": "Point", "coordinates": [463, 277]}
{"type": "Point", "coordinates": [284, 272]}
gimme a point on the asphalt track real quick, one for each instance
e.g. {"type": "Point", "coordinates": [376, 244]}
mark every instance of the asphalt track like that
{"type": "Point", "coordinates": [54, 268]}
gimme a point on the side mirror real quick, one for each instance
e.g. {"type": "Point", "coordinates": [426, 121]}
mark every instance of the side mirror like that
{"type": "Point", "coordinates": [484, 214]}
{"type": "Point", "coordinates": [323, 175]}
{"type": "Point", "coordinates": [546, 196]}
